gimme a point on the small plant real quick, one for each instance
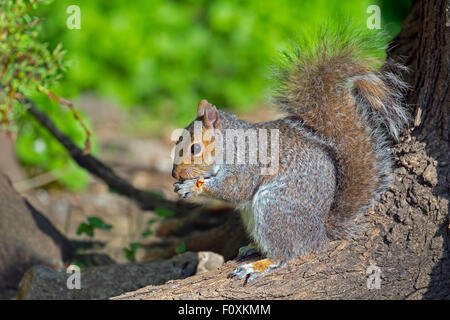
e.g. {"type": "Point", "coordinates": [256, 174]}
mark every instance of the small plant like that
{"type": "Point", "coordinates": [181, 248]}
{"type": "Point", "coordinates": [26, 63]}
{"type": "Point", "coordinates": [80, 264]}
{"type": "Point", "coordinates": [30, 69]}
{"type": "Point", "coordinates": [147, 232]}
{"type": "Point", "coordinates": [92, 224]}
{"type": "Point", "coordinates": [130, 253]}
{"type": "Point", "coordinates": [164, 213]}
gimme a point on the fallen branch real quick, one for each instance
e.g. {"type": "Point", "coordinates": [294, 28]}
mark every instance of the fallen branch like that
{"type": "Point", "coordinates": [43, 283]}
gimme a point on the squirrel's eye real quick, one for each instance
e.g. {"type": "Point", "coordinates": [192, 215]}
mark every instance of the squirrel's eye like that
{"type": "Point", "coordinates": [196, 148]}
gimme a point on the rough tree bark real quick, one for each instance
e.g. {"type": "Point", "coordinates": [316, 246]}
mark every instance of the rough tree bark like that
{"type": "Point", "coordinates": [407, 234]}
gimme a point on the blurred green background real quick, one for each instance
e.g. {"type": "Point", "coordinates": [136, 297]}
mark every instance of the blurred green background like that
{"type": "Point", "coordinates": [164, 56]}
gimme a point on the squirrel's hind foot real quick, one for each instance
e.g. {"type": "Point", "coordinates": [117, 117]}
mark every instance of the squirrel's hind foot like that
{"type": "Point", "coordinates": [254, 270]}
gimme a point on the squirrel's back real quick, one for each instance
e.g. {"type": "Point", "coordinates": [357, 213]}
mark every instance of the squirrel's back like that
{"type": "Point", "coordinates": [338, 93]}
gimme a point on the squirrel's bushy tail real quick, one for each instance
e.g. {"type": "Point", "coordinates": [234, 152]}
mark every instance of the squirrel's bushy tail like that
{"type": "Point", "coordinates": [337, 91]}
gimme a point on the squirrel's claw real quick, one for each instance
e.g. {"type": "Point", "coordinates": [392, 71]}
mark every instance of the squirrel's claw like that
{"type": "Point", "coordinates": [254, 270]}
{"type": "Point", "coordinates": [245, 271]}
{"type": "Point", "coordinates": [186, 188]}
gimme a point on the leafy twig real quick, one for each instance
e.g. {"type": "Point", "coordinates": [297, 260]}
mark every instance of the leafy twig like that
{"type": "Point", "coordinates": [68, 103]}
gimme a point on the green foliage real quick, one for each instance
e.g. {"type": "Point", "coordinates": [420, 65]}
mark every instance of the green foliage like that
{"type": "Point", "coordinates": [163, 212]}
{"type": "Point", "coordinates": [167, 55]}
{"type": "Point", "coordinates": [27, 64]}
{"type": "Point", "coordinates": [131, 251]}
{"type": "Point", "coordinates": [36, 147]}
{"type": "Point", "coordinates": [29, 67]}
{"type": "Point", "coordinates": [82, 265]}
{"type": "Point", "coordinates": [92, 224]}
{"type": "Point", "coordinates": [147, 232]}
{"type": "Point", "coordinates": [181, 248]}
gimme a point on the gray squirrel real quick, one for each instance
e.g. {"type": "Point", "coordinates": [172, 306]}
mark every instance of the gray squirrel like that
{"type": "Point", "coordinates": [334, 157]}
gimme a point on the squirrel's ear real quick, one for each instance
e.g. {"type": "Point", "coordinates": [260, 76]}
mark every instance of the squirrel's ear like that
{"type": "Point", "coordinates": [201, 108]}
{"type": "Point", "coordinates": [211, 118]}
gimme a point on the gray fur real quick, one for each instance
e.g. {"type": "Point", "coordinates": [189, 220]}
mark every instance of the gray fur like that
{"type": "Point", "coordinates": [286, 214]}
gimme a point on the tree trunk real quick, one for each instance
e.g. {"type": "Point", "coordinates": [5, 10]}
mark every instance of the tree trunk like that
{"type": "Point", "coordinates": [406, 240]}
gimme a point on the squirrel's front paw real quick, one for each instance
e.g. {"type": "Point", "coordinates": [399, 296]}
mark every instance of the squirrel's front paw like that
{"type": "Point", "coordinates": [188, 188]}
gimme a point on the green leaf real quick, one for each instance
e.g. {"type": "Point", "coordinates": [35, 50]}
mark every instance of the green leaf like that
{"type": "Point", "coordinates": [85, 228]}
{"type": "Point", "coordinates": [163, 212]}
{"type": "Point", "coordinates": [112, 190]}
{"type": "Point", "coordinates": [134, 246]}
{"type": "Point", "coordinates": [131, 251]}
{"type": "Point", "coordinates": [129, 254]}
{"type": "Point", "coordinates": [146, 233]}
{"type": "Point", "coordinates": [92, 224]}
{"type": "Point", "coordinates": [181, 248]}
{"type": "Point", "coordinates": [99, 223]}
{"type": "Point", "coordinates": [80, 264]}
